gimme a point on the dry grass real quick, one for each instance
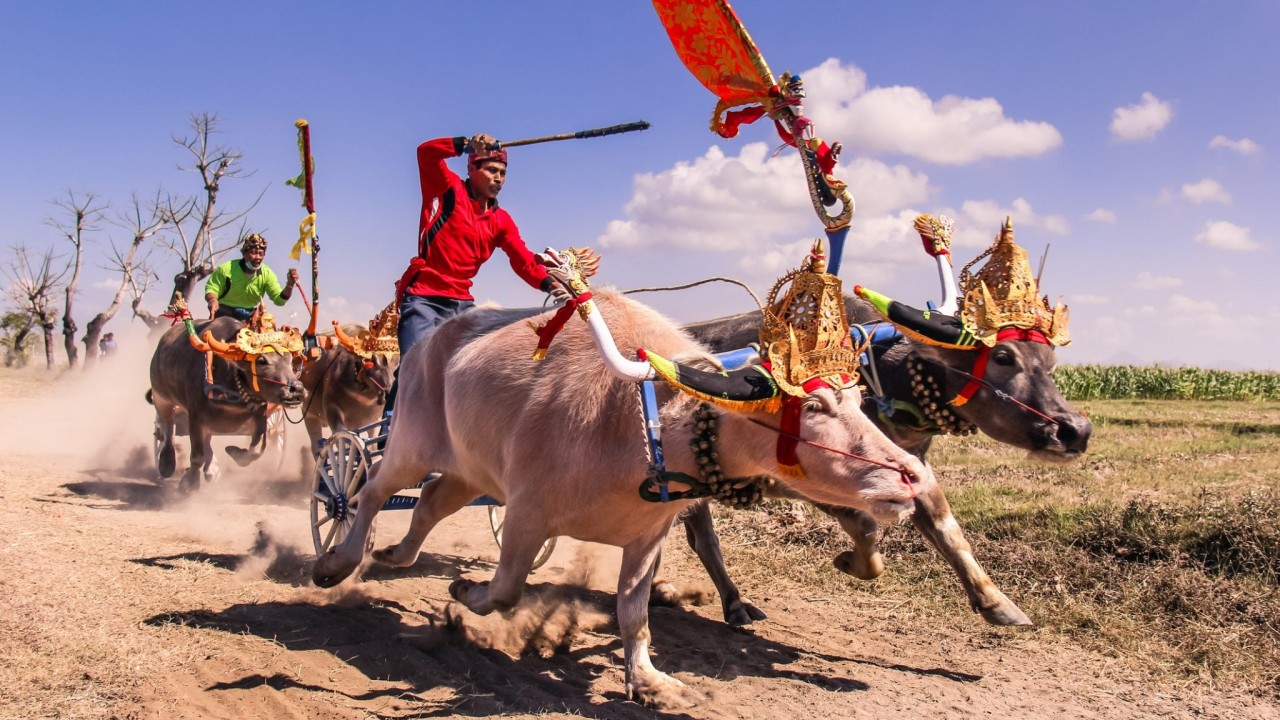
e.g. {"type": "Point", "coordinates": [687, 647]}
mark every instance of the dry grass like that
{"type": "Point", "coordinates": [1161, 548]}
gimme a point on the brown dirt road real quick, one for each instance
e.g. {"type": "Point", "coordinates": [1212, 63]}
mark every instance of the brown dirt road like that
{"type": "Point", "coordinates": [120, 597]}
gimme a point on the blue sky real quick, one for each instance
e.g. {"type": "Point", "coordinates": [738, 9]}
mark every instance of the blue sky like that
{"type": "Point", "coordinates": [1138, 139]}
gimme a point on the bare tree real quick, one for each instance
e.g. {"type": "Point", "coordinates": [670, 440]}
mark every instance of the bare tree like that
{"type": "Point", "coordinates": [139, 282]}
{"type": "Point", "coordinates": [15, 331]}
{"type": "Point", "coordinates": [84, 213]}
{"type": "Point", "coordinates": [142, 223]}
{"type": "Point", "coordinates": [33, 287]}
{"type": "Point", "coordinates": [196, 219]}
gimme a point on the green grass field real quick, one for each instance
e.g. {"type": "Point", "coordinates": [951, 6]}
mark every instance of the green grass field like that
{"type": "Point", "coordinates": [1160, 547]}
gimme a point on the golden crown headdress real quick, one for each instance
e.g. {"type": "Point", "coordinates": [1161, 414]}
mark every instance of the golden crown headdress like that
{"type": "Point", "coordinates": [1004, 294]}
{"type": "Point", "coordinates": [381, 337]}
{"type": "Point", "coordinates": [260, 335]}
{"type": "Point", "coordinates": [805, 333]}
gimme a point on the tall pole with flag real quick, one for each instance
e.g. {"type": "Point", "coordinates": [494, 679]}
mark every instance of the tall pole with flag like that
{"type": "Point", "coordinates": [308, 240]}
{"type": "Point", "coordinates": [714, 45]}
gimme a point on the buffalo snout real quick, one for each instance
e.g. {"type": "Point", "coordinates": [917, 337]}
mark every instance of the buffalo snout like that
{"type": "Point", "coordinates": [1073, 433]}
{"type": "Point", "coordinates": [292, 394]}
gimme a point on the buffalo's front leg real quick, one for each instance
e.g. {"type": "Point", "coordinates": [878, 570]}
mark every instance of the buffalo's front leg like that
{"type": "Point", "coordinates": [203, 465]}
{"type": "Point", "coordinates": [441, 497]}
{"type": "Point", "coordinates": [864, 561]}
{"type": "Point", "coordinates": [394, 474]}
{"type": "Point", "coordinates": [644, 682]}
{"type": "Point", "coordinates": [934, 519]}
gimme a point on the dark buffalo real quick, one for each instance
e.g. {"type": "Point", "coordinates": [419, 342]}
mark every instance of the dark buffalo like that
{"type": "Point", "coordinates": [346, 387]}
{"type": "Point", "coordinates": [238, 395]}
{"type": "Point", "coordinates": [1016, 403]}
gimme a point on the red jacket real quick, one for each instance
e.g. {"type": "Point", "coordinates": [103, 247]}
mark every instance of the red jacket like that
{"type": "Point", "coordinates": [455, 234]}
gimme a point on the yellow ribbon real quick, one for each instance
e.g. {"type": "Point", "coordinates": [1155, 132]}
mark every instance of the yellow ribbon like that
{"type": "Point", "coordinates": [306, 232]}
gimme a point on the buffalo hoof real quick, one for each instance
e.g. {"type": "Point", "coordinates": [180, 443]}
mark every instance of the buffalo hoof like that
{"type": "Point", "coordinates": [1005, 614]}
{"type": "Point", "coordinates": [661, 692]}
{"type": "Point", "coordinates": [329, 570]}
{"type": "Point", "coordinates": [392, 557]}
{"type": "Point", "coordinates": [741, 613]}
{"type": "Point", "coordinates": [167, 463]}
{"type": "Point", "coordinates": [459, 588]}
{"type": "Point", "coordinates": [242, 456]}
{"type": "Point", "coordinates": [860, 566]}
{"type": "Point", "coordinates": [664, 593]}
{"type": "Point", "coordinates": [190, 481]}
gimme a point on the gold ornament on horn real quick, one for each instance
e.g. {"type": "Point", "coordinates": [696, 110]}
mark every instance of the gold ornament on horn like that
{"type": "Point", "coordinates": [380, 339]}
{"type": "Point", "coordinates": [1004, 294]}
{"type": "Point", "coordinates": [805, 334]}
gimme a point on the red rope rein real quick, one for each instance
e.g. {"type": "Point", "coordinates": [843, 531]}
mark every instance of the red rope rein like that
{"type": "Point", "coordinates": [902, 472]}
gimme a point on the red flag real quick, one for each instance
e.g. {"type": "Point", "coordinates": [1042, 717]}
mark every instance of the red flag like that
{"type": "Point", "coordinates": [712, 42]}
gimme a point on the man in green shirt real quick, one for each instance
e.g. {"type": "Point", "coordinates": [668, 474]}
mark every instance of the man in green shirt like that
{"type": "Point", "coordinates": [236, 287]}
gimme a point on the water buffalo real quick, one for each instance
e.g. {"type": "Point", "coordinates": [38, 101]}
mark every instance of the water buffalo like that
{"type": "Point", "coordinates": [347, 385]}
{"type": "Point", "coordinates": [560, 443]}
{"type": "Point", "coordinates": [1019, 405]}
{"type": "Point", "coordinates": [223, 383]}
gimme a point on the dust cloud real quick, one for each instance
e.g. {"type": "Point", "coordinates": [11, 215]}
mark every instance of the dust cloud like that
{"type": "Point", "coordinates": [96, 424]}
{"type": "Point", "coordinates": [548, 619]}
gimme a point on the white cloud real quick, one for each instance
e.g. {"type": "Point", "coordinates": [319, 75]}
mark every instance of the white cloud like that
{"type": "Point", "coordinates": [750, 202]}
{"type": "Point", "coordinates": [1141, 121]}
{"type": "Point", "coordinates": [107, 284]}
{"type": "Point", "coordinates": [1207, 190]}
{"type": "Point", "coordinates": [1244, 146]}
{"type": "Point", "coordinates": [1227, 236]}
{"type": "Point", "coordinates": [980, 220]}
{"type": "Point", "coordinates": [949, 131]}
{"type": "Point", "coordinates": [1102, 215]}
{"type": "Point", "coordinates": [1145, 311]}
{"type": "Point", "coordinates": [1147, 281]}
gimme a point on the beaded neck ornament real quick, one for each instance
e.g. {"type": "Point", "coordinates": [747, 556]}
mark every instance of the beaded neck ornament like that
{"type": "Point", "coordinates": [1004, 294]}
{"type": "Point", "coordinates": [380, 339]}
{"type": "Point", "coordinates": [805, 333]}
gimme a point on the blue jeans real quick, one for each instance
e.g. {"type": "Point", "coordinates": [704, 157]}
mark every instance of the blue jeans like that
{"type": "Point", "coordinates": [419, 317]}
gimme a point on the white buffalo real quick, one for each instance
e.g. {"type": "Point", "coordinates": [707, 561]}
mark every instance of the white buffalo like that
{"type": "Point", "coordinates": [560, 443]}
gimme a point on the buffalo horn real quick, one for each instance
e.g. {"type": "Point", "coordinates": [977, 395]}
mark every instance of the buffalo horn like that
{"type": "Point", "coordinates": [344, 338]}
{"type": "Point", "coordinates": [224, 350]}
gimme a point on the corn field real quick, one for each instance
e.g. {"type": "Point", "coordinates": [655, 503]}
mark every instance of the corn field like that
{"type": "Point", "coordinates": [1132, 382]}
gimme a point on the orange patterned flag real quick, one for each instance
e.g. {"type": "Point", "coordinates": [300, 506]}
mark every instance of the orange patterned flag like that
{"type": "Point", "coordinates": [713, 44]}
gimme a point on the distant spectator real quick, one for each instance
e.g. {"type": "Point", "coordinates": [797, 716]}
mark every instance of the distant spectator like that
{"type": "Point", "coordinates": [107, 345]}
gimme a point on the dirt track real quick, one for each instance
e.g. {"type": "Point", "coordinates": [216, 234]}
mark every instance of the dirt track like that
{"type": "Point", "coordinates": [123, 598]}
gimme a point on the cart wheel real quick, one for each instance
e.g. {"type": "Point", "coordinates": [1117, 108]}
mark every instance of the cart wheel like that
{"type": "Point", "coordinates": [276, 435]}
{"type": "Point", "coordinates": [341, 470]}
{"type": "Point", "coordinates": [496, 518]}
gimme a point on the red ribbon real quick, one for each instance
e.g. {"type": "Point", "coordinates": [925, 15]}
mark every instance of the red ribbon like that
{"type": "Point", "coordinates": [548, 331]}
{"type": "Point", "coordinates": [984, 354]}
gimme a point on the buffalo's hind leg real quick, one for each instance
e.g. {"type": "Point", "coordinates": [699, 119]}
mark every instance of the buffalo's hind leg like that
{"type": "Point", "coordinates": [522, 539]}
{"type": "Point", "coordinates": [441, 497]}
{"type": "Point", "coordinates": [166, 456]}
{"type": "Point", "coordinates": [700, 531]}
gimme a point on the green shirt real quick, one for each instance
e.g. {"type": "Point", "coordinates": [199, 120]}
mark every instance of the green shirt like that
{"type": "Point", "coordinates": [234, 288]}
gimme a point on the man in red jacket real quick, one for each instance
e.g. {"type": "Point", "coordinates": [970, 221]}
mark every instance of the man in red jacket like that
{"type": "Point", "coordinates": [459, 228]}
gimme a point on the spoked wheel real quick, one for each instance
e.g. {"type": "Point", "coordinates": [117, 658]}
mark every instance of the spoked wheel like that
{"type": "Point", "coordinates": [276, 435]}
{"type": "Point", "coordinates": [497, 518]}
{"type": "Point", "coordinates": [341, 470]}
